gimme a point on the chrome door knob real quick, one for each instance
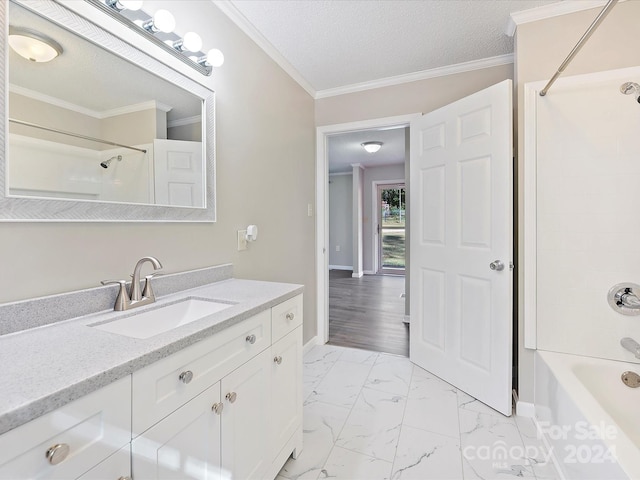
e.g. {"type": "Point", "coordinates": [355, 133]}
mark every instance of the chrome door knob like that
{"type": "Point", "coordinates": [251, 339]}
{"type": "Point", "coordinates": [186, 377]}
{"type": "Point", "coordinates": [57, 453]}
{"type": "Point", "coordinates": [231, 396]}
{"type": "Point", "coordinates": [496, 265]}
{"type": "Point", "coordinates": [277, 359]}
{"type": "Point", "coordinates": [218, 407]}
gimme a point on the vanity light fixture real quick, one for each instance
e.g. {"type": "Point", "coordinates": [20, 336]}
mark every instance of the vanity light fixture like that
{"type": "Point", "coordinates": [372, 147]}
{"type": "Point", "coordinates": [33, 45]}
{"type": "Point", "coordinates": [158, 29]}
{"type": "Point", "coordinates": [120, 5]}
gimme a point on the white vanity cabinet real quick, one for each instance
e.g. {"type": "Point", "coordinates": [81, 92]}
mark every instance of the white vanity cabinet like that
{"type": "Point", "coordinates": [228, 406]}
{"type": "Point", "coordinates": [243, 426]}
{"type": "Point", "coordinates": [70, 441]}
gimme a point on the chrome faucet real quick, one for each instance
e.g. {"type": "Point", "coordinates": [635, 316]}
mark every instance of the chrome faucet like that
{"type": "Point", "coordinates": [631, 345]}
{"type": "Point", "coordinates": [126, 301]}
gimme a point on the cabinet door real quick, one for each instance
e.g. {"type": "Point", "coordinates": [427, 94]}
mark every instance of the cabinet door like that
{"type": "Point", "coordinates": [286, 389]}
{"type": "Point", "coordinates": [116, 467]}
{"type": "Point", "coordinates": [246, 452]}
{"type": "Point", "coordinates": [184, 445]}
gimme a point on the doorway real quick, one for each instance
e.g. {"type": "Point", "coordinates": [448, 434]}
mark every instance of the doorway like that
{"type": "Point", "coordinates": [323, 245]}
{"type": "Point", "coordinates": [391, 201]}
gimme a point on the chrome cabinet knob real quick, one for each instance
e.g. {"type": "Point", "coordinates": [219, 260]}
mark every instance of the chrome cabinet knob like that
{"type": "Point", "coordinates": [251, 339]}
{"type": "Point", "coordinates": [124, 478]}
{"type": "Point", "coordinates": [186, 376]}
{"type": "Point", "coordinates": [496, 265]}
{"type": "Point", "coordinates": [290, 316]}
{"type": "Point", "coordinates": [57, 453]}
{"type": "Point", "coordinates": [277, 359]}
{"type": "Point", "coordinates": [218, 407]}
{"type": "Point", "coordinates": [231, 396]}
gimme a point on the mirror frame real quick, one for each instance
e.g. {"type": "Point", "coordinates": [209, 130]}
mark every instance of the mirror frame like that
{"type": "Point", "coordinates": [60, 210]}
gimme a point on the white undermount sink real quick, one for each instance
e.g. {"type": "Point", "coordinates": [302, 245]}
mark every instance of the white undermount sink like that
{"type": "Point", "coordinates": [164, 318]}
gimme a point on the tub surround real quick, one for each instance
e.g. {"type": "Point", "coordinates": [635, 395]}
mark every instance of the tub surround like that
{"type": "Point", "coordinates": [588, 416]}
{"type": "Point", "coordinates": [57, 357]}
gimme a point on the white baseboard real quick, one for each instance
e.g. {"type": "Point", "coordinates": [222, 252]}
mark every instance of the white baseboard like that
{"type": "Point", "coordinates": [357, 275]}
{"type": "Point", "coordinates": [309, 345]}
{"type": "Point", "coordinates": [340, 267]}
{"type": "Point", "coordinates": [369, 272]}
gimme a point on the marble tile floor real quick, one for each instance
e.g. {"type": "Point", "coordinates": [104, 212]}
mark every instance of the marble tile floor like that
{"type": "Point", "coordinates": [370, 415]}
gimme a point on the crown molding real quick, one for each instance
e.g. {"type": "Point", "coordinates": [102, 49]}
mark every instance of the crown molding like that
{"type": "Point", "coordinates": [41, 97]}
{"type": "Point", "coordinates": [230, 10]}
{"type": "Point", "coordinates": [184, 121]}
{"type": "Point", "coordinates": [549, 11]}
{"type": "Point", "coordinates": [417, 76]}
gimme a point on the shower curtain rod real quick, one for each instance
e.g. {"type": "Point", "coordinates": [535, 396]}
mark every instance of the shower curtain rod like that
{"type": "Point", "coordinates": [76, 135]}
{"type": "Point", "coordinates": [601, 16]}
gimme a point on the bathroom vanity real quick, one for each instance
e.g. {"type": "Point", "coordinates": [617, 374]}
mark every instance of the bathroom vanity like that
{"type": "Point", "coordinates": [219, 397]}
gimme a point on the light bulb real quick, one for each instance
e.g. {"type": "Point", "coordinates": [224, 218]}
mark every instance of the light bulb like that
{"type": "Point", "coordinates": [162, 21]}
{"type": "Point", "coordinates": [215, 58]}
{"type": "Point", "coordinates": [192, 42]}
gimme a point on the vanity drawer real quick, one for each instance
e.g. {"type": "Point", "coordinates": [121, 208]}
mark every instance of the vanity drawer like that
{"type": "Point", "coordinates": [167, 384]}
{"type": "Point", "coordinates": [285, 317]}
{"type": "Point", "coordinates": [85, 432]}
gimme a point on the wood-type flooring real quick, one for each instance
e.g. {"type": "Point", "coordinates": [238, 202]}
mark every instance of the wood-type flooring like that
{"type": "Point", "coordinates": [367, 312]}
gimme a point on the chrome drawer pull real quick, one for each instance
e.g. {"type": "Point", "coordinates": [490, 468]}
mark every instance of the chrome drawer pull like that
{"type": "Point", "coordinates": [231, 396]}
{"type": "Point", "coordinates": [251, 339]}
{"type": "Point", "coordinates": [277, 359]}
{"type": "Point", "coordinates": [186, 377]}
{"type": "Point", "coordinates": [217, 407]}
{"type": "Point", "coordinates": [58, 453]}
{"type": "Point", "coordinates": [290, 316]}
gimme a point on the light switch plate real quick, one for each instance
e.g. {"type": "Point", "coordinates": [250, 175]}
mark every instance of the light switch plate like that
{"type": "Point", "coordinates": [242, 240]}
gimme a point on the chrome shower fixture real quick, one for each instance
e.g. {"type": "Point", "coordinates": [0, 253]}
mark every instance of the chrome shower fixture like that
{"type": "Point", "coordinates": [631, 88]}
{"type": "Point", "coordinates": [106, 163]}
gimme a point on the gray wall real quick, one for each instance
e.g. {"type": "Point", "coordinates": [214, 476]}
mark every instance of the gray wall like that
{"type": "Point", "coordinates": [265, 164]}
{"type": "Point", "coordinates": [340, 220]}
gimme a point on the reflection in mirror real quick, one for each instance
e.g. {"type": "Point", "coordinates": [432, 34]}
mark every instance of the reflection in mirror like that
{"type": "Point", "coordinates": [90, 125]}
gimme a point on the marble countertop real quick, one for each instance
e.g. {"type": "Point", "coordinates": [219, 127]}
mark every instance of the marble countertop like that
{"type": "Point", "coordinates": [46, 367]}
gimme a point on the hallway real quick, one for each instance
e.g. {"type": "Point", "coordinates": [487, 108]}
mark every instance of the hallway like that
{"type": "Point", "coordinates": [368, 312]}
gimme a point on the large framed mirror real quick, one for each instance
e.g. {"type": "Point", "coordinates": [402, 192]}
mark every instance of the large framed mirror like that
{"type": "Point", "coordinates": [104, 131]}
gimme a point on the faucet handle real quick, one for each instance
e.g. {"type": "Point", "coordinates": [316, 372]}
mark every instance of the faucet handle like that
{"type": "Point", "coordinates": [122, 299]}
{"type": "Point", "coordinates": [148, 291]}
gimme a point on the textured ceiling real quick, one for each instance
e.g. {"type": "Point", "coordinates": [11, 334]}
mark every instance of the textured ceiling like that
{"type": "Point", "coordinates": [334, 43]}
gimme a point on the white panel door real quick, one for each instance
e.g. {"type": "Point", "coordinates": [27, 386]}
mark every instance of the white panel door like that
{"type": "Point", "coordinates": [461, 216]}
{"type": "Point", "coordinates": [178, 173]}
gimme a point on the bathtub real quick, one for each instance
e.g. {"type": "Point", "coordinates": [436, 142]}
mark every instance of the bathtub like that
{"type": "Point", "coordinates": [587, 417]}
